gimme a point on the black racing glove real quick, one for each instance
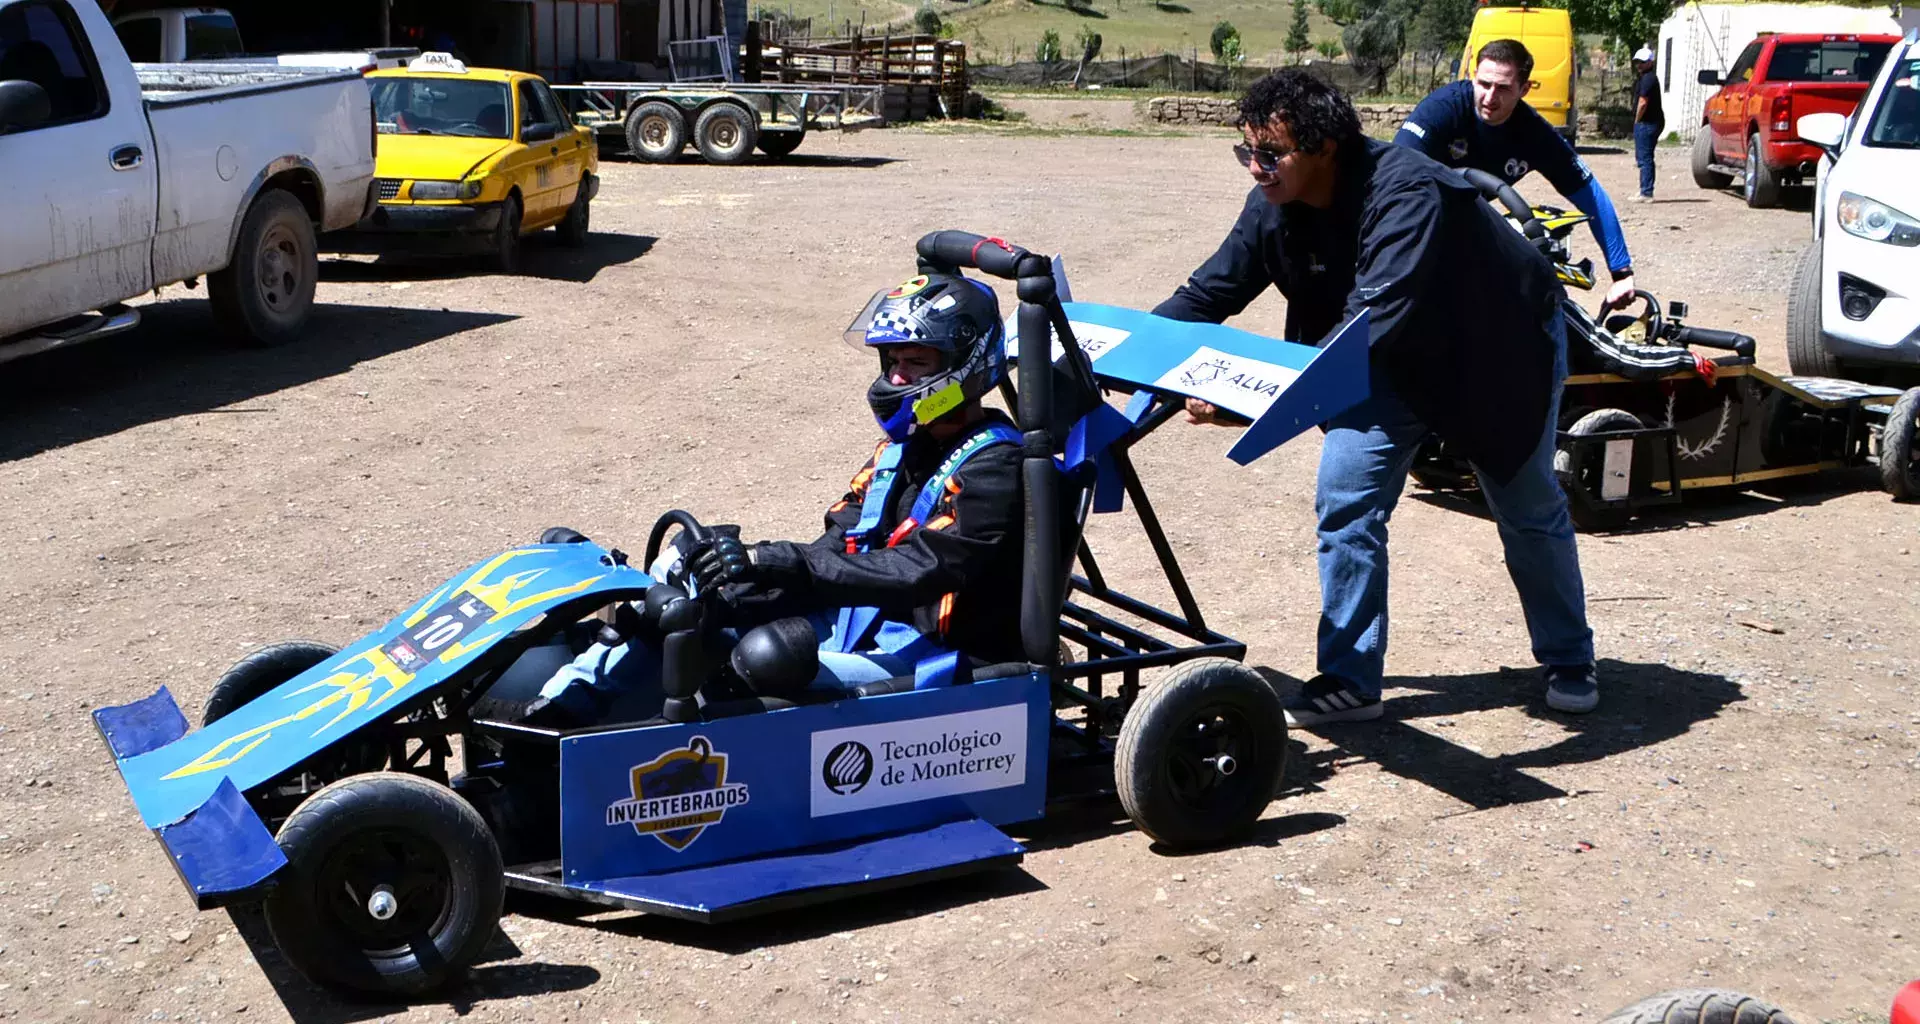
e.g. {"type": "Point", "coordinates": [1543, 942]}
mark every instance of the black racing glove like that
{"type": "Point", "coordinates": [726, 560]}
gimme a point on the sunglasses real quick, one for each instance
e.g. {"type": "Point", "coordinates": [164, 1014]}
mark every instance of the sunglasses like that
{"type": "Point", "coordinates": [1266, 160]}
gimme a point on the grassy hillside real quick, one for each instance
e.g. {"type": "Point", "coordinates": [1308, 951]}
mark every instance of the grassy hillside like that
{"type": "Point", "coordinates": [997, 31]}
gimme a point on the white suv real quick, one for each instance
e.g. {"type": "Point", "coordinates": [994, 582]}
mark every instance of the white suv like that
{"type": "Point", "coordinates": [1856, 295]}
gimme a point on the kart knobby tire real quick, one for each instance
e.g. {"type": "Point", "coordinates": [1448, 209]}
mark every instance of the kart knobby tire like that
{"type": "Point", "coordinates": [1585, 518]}
{"type": "Point", "coordinates": [779, 144]}
{"type": "Point", "coordinates": [1703, 173]}
{"type": "Point", "coordinates": [1200, 709]}
{"type": "Point", "coordinates": [656, 132]}
{"type": "Point", "coordinates": [261, 671]}
{"type": "Point", "coordinates": [726, 133]}
{"type": "Point", "coordinates": [573, 228]}
{"type": "Point", "coordinates": [1762, 188]}
{"type": "Point", "coordinates": [421, 841]}
{"type": "Point", "coordinates": [1699, 1006]}
{"type": "Point", "coordinates": [263, 294]}
{"type": "Point", "coordinates": [561, 535]}
{"type": "Point", "coordinates": [1900, 446]}
{"type": "Point", "coordinates": [1807, 353]}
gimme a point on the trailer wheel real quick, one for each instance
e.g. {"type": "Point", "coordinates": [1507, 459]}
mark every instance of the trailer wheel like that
{"type": "Point", "coordinates": [393, 886]}
{"type": "Point", "coordinates": [1699, 1006]}
{"type": "Point", "coordinates": [1807, 352]}
{"type": "Point", "coordinates": [726, 133]}
{"type": "Point", "coordinates": [1899, 449]}
{"type": "Point", "coordinates": [1587, 518]}
{"type": "Point", "coordinates": [263, 294]}
{"type": "Point", "coordinates": [779, 144]}
{"type": "Point", "coordinates": [1201, 753]}
{"type": "Point", "coordinates": [656, 132]}
{"type": "Point", "coordinates": [1703, 173]}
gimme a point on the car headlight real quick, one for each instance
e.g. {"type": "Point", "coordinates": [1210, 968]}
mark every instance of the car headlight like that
{"type": "Point", "coordinates": [1876, 221]}
{"type": "Point", "coordinates": [445, 189]}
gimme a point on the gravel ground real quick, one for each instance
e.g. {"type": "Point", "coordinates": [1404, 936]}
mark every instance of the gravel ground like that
{"type": "Point", "coordinates": [1737, 814]}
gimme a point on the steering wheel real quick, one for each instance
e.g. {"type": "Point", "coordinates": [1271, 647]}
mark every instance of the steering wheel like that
{"type": "Point", "coordinates": [1492, 189]}
{"type": "Point", "coordinates": [699, 534]}
{"type": "Point", "coordinates": [1647, 328]}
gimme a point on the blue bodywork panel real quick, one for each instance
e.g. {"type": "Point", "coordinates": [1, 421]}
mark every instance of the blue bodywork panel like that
{"type": "Point", "coordinates": [420, 649]}
{"type": "Point", "coordinates": [718, 892]}
{"type": "Point", "coordinates": [221, 850]}
{"type": "Point", "coordinates": [661, 799]}
{"type": "Point", "coordinates": [1284, 388]}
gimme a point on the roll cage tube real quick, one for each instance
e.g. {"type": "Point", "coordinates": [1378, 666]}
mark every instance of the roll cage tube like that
{"type": "Point", "coordinates": [1040, 317]}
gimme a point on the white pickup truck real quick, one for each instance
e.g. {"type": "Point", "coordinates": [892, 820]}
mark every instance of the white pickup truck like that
{"type": "Point", "coordinates": [115, 181]}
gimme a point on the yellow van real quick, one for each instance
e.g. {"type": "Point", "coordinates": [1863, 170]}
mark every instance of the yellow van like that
{"type": "Point", "coordinates": [1547, 33]}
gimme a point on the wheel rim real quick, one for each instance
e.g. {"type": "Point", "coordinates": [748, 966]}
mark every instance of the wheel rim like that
{"type": "Point", "coordinates": [279, 269]}
{"type": "Point", "coordinates": [1210, 759]}
{"type": "Point", "coordinates": [653, 132]}
{"type": "Point", "coordinates": [725, 134]}
{"type": "Point", "coordinates": [396, 872]}
{"type": "Point", "coordinates": [1749, 186]}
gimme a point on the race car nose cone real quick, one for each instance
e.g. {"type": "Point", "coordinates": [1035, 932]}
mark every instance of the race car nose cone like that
{"type": "Point", "coordinates": [382, 905]}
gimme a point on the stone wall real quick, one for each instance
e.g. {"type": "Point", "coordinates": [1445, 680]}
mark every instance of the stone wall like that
{"type": "Point", "coordinates": [1207, 110]}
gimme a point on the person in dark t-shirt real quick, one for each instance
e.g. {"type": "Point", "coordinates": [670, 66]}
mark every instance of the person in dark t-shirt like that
{"type": "Point", "coordinates": [1649, 121]}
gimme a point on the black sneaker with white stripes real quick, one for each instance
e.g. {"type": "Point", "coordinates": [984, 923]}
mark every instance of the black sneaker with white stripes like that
{"type": "Point", "coordinates": [1329, 699]}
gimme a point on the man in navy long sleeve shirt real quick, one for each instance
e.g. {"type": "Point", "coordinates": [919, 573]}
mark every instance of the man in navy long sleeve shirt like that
{"type": "Point", "coordinates": [1467, 343]}
{"type": "Point", "coordinates": [1483, 124]}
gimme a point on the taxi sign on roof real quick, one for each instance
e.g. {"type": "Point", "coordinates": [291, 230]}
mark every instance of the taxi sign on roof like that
{"type": "Point", "coordinates": [436, 61]}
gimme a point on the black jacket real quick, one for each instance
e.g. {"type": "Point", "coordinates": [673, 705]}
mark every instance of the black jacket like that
{"type": "Point", "coordinates": [1461, 303]}
{"type": "Point", "coordinates": [955, 577]}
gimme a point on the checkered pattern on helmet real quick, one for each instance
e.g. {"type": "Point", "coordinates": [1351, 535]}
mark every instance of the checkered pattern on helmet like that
{"type": "Point", "coordinates": [891, 326]}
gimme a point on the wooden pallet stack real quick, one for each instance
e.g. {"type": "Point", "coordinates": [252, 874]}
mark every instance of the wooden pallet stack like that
{"type": "Point", "coordinates": [923, 76]}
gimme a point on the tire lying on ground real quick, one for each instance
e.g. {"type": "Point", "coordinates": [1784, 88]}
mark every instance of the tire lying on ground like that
{"type": "Point", "coordinates": [1699, 1006]}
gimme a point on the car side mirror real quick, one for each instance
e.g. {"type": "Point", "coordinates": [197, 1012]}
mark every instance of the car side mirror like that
{"type": "Point", "coordinates": [1710, 77]}
{"type": "Point", "coordinates": [23, 105]}
{"type": "Point", "coordinates": [1824, 130]}
{"type": "Point", "coordinates": [542, 132]}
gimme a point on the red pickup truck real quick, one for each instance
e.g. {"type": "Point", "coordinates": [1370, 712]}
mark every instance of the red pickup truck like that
{"type": "Point", "coordinates": [1748, 126]}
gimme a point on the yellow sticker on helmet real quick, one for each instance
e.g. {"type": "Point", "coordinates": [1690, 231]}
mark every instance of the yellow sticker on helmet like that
{"type": "Point", "coordinates": [939, 403]}
{"type": "Point", "coordinates": [911, 286]}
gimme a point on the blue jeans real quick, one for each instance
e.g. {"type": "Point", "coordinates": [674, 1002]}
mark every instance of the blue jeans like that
{"type": "Point", "coordinates": [1645, 138]}
{"type": "Point", "coordinates": [1363, 468]}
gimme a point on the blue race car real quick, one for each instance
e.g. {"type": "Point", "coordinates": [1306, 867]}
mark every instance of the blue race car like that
{"type": "Point", "coordinates": [380, 798]}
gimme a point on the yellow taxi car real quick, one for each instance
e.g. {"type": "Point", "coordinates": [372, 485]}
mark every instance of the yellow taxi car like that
{"type": "Point", "coordinates": [475, 157]}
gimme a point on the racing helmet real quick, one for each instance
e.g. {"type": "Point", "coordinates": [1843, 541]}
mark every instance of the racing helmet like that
{"type": "Point", "coordinates": [956, 316]}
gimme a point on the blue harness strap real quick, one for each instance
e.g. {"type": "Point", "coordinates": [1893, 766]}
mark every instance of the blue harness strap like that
{"type": "Point", "coordinates": [854, 630]}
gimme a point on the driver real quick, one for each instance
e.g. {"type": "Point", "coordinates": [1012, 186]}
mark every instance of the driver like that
{"type": "Point", "coordinates": [920, 557]}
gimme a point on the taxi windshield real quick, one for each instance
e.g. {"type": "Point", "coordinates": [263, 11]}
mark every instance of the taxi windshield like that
{"type": "Point", "coordinates": [442, 106]}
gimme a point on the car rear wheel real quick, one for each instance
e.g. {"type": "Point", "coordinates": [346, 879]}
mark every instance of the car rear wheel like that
{"type": "Point", "coordinates": [1807, 352]}
{"type": "Point", "coordinates": [1703, 173]}
{"type": "Point", "coordinates": [1762, 186]}
{"type": "Point", "coordinates": [1900, 449]}
{"type": "Point", "coordinates": [263, 294]}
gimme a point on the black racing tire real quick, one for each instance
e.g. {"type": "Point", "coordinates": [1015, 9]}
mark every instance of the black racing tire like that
{"type": "Point", "coordinates": [428, 847]}
{"type": "Point", "coordinates": [264, 293]}
{"type": "Point", "coordinates": [575, 226]}
{"type": "Point", "coordinates": [261, 671]}
{"type": "Point", "coordinates": [726, 133]}
{"type": "Point", "coordinates": [780, 144]}
{"type": "Point", "coordinates": [1762, 188]}
{"type": "Point", "coordinates": [1699, 1006]}
{"type": "Point", "coordinates": [562, 535]}
{"type": "Point", "coordinates": [1163, 764]}
{"type": "Point", "coordinates": [1900, 448]}
{"type": "Point", "coordinates": [656, 132]}
{"type": "Point", "coordinates": [1703, 173]}
{"type": "Point", "coordinates": [1807, 352]}
{"type": "Point", "coordinates": [1587, 519]}
{"type": "Point", "coordinates": [505, 256]}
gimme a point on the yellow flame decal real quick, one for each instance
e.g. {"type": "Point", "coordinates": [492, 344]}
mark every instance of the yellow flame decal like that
{"type": "Point", "coordinates": [350, 687]}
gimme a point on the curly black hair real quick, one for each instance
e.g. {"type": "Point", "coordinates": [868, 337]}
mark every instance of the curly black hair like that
{"type": "Point", "coordinates": [1313, 110]}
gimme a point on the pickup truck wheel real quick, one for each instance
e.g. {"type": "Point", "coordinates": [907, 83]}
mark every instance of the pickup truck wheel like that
{"type": "Point", "coordinates": [1762, 186]}
{"type": "Point", "coordinates": [656, 132]}
{"type": "Point", "coordinates": [1807, 352]}
{"type": "Point", "coordinates": [1703, 173]}
{"type": "Point", "coordinates": [393, 886]}
{"type": "Point", "coordinates": [263, 294]}
{"type": "Point", "coordinates": [506, 238]}
{"type": "Point", "coordinates": [573, 229]}
{"type": "Point", "coordinates": [726, 133]}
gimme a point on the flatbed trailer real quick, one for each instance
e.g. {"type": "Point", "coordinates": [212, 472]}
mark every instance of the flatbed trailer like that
{"type": "Point", "coordinates": [725, 121]}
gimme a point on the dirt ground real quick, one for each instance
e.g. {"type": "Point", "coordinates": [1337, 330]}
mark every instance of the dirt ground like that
{"type": "Point", "coordinates": [1739, 813]}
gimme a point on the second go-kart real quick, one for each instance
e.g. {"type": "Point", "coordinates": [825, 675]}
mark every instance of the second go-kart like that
{"type": "Point", "coordinates": [1655, 407]}
{"type": "Point", "coordinates": [379, 799]}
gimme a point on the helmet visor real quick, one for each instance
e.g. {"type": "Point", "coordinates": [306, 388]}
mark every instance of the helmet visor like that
{"type": "Point", "coordinates": [856, 333]}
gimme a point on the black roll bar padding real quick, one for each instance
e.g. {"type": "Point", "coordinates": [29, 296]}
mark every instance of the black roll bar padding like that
{"type": "Point", "coordinates": [1040, 591]}
{"type": "Point", "coordinates": [964, 249]}
{"type": "Point", "coordinates": [1738, 344]}
{"type": "Point", "coordinates": [1493, 189]}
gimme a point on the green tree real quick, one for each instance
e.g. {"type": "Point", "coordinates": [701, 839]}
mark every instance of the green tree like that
{"type": "Point", "coordinates": [1222, 32]}
{"type": "Point", "coordinates": [926, 21]}
{"type": "Point", "coordinates": [1625, 23]}
{"type": "Point", "coordinates": [1328, 48]}
{"type": "Point", "coordinates": [1048, 50]}
{"type": "Point", "coordinates": [1297, 40]}
{"type": "Point", "coordinates": [1375, 39]}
